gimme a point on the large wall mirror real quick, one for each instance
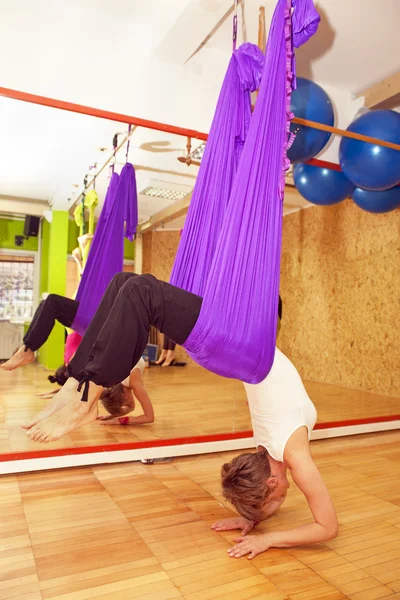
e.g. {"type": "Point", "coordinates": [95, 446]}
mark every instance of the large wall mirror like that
{"type": "Point", "coordinates": [339, 327]}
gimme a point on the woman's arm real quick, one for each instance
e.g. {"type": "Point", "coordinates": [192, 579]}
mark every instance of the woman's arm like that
{"type": "Point", "coordinates": [136, 385]}
{"type": "Point", "coordinates": [135, 382]}
{"type": "Point", "coordinates": [76, 253]}
{"type": "Point", "coordinates": [325, 526]}
{"type": "Point", "coordinates": [308, 479]}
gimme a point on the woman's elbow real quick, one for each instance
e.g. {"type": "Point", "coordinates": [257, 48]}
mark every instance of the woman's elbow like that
{"type": "Point", "coordinates": [332, 531]}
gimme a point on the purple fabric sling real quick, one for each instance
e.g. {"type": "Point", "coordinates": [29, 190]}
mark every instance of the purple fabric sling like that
{"type": "Point", "coordinates": [106, 256]}
{"type": "Point", "coordinates": [230, 249]}
{"type": "Point", "coordinates": [219, 164]}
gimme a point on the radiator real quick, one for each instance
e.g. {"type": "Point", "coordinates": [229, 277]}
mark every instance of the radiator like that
{"type": "Point", "coordinates": [11, 335]}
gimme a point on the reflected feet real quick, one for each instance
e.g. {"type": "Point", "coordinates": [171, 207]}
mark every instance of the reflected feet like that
{"type": "Point", "coordinates": [22, 357]}
{"type": "Point", "coordinates": [59, 401]}
{"type": "Point", "coordinates": [169, 359]}
{"type": "Point", "coordinates": [162, 358]}
{"type": "Point", "coordinates": [72, 415]}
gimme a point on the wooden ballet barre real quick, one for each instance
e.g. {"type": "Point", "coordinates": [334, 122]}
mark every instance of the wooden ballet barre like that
{"type": "Point", "coordinates": [345, 133]}
{"type": "Point", "coordinates": [315, 124]}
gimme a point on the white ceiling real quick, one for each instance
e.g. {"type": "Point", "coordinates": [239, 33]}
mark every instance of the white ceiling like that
{"type": "Point", "coordinates": [157, 59]}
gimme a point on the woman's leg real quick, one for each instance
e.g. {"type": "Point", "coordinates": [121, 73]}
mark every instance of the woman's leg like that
{"type": "Point", "coordinates": [103, 311]}
{"type": "Point", "coordinates": [61, 399]}
{"type": "Point", "coordinates": [120, 336]}
{"type": "Point", "coordinates": [170, 353]}
{"type": "Point", "coordinates": [54, 308]}
{"type": "Point", "coordinates": [164, 351]}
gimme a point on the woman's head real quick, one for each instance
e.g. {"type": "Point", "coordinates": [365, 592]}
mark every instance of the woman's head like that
{"type": "Point", "coordinates": [60, 376]}
{"type": "Point", "coordinates": [245, 483]}
{"type": "Point", "coordinates": [118, 400]}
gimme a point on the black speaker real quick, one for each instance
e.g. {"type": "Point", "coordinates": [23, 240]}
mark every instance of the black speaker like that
{"type": "Point", "coordinates": [31, 227]}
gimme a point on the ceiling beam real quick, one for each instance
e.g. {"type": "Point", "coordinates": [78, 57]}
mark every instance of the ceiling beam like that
{"type": "Point", "coordinates": [167, 214]}
{"type": "Point", "coordinates": [22, 206]}
{"type": "Point", "coordinates": [292, 199]}
{"type": "Point", "coordinates": [183, 40]}
{"type": "Point", "coordinates": [385, 94]}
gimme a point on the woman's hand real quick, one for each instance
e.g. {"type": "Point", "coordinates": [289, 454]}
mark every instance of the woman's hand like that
{"type": "Point", "coordinates": [110, 420]}
{"type": "Point", "coordinates": [234, 523]}
{"type": "Point", "coordinates": [252, 545]}
{"type": "Point", "coordinates": [84, 239]}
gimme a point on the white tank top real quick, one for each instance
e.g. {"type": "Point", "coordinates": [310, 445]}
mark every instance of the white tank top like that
{"type": "Point", "coordinates": [279, 406]}
{"type": "Point", "coordinates": [141, 365]}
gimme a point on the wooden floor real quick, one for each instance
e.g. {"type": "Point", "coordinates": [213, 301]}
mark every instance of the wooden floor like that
{"type": "Point", "coordinates": [142, 531]}
{"type": "Point", "coordinates": [187, 401]}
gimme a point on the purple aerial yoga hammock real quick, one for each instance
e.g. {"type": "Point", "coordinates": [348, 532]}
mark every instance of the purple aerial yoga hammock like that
{"type": "Point", "coordinates": [234, 262]}
{"type": "Point", "coordinates": [219, 164]}
{"type": "Point", "coordinates": [106, 256]}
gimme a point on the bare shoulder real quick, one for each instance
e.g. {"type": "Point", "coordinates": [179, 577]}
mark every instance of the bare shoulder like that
{"type": "Point", "coordinates": [135, 378]}
{"type": "Point", "coordinates": [297, 447]}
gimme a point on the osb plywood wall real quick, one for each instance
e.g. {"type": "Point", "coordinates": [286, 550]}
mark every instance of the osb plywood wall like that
{"type": "Point", "coordinates": [341, 288]}
{"type": "Point", "coordinates": [159, 249]}
{"type": "Point", "coordinates": [340, 285]}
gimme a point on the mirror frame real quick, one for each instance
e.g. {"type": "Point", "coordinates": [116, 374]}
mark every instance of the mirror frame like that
{"type": "Point", "coordinates": [17, 462]}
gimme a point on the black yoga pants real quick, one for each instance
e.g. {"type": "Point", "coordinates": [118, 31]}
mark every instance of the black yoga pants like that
{"type": "Point", "coordinates": [118, 333]}
{"type": "Point", "coordinates": [168, 344]}
{"type": "Point", "coordinates": [54, 308]}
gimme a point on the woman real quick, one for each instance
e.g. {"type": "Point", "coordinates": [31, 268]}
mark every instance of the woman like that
{"type": "Point", "coordinates": [283, 417]}
{"type": "Point", "coordinates": [53, 308]}
{"type": "Point", "coordinates": [114, 342]}
{"type": "Point", "coordinates": [118, 400]}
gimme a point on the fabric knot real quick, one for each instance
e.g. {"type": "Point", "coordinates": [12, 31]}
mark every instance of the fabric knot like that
{"type": "Point", "coordinates": [85, 381]}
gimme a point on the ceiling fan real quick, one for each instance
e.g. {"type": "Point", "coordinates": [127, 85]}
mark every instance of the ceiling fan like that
{"type": "Point", "coordinates": [188, 159]}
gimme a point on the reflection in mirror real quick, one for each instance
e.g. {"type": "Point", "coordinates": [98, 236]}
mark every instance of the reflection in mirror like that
{"type": "Point", "coordinates": [340, 326]}
{"type": "Point", "coordinates": [46, 155]}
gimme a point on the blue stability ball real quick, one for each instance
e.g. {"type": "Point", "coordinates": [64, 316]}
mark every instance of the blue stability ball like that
{"type": "Point", "coordinates": [370, 166]}
{"type": "Point", "coordinates": [379, 201]}
{"type": "Point", "coordinates": [309, 101]}
{"type": "Point", "coordinates": [321, 186]}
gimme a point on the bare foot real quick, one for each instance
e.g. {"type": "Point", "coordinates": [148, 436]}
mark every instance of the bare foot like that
{"type": "Point", "coordinates": [74, 414]}
{"type": "Point", "coordinates": [47, 395]}
{"type": "Point", "coordinates": [22, 357]}
{"type": "Point", "coordinates": [169, 358]}
{"type": "Point", "coordinates": [163, 356]}
{"type": "Point", "coordinates": [58, 402]}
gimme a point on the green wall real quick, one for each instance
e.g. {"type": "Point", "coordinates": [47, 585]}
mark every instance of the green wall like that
{"type": "Point", "coordinates": [54, 270]}
{"type": "Point", "coordinates": [44, 258]}
{"type": "Point", "coordinates": [9, 228]}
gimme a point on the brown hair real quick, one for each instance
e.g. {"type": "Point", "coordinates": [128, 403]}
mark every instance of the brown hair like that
{"type": "Point", "coordinates": [60, 376]}
{"type": "Point", "coordinates": [113, 399]}
{"type": "Point", "coordinates": [244, 483]}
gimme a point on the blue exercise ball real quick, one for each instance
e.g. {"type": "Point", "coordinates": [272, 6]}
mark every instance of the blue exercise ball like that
{"type": "Point", "coordinates": [380, 201]}
{"type": "Point", "coordinates": [370, 166]}
{"type": "Point", "coordinates": [321, 186]}
{"type": "Point", "coordinates": [309, 101]}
